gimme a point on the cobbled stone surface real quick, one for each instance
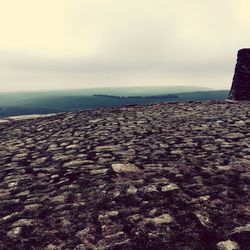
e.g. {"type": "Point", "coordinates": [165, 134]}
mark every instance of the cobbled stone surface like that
{"type": "Point", "coordinates": [160, 176]}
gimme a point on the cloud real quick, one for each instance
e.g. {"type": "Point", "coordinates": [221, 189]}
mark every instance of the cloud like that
{"type": "Point", "coordinates": [83, 43]}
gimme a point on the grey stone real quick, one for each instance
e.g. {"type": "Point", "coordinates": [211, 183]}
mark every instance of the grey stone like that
{"type": "Point", "coordinates": [169, 187]}
{"type": "Point", "coordinates": [228, 245]}
{"type": "Point", "coordinates": [125, 168]}
{"type": "Point", "coordinates": [14, 232]}
{"type": "Point", "coordinates": [23, 222]}
{"type": "Point", "coordinates": [162, 219]}
{"type": "Point", "coordinates": [241, 233]}
{"type": "Point", "coordinates": [235, 136]}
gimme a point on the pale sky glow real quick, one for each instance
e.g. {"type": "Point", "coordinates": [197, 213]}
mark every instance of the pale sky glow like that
{"type": "Point", "coordinates": [55, 44]}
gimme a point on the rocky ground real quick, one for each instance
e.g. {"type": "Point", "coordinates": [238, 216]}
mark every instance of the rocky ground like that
{"type": "Point", "coordinates": [161, 176]}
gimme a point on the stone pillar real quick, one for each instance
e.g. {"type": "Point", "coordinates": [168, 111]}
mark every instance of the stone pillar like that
{"type": "Point", "coordinates": [241, 82]}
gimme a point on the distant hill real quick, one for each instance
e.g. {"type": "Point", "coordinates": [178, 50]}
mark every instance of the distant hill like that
{"type": "Point", "coordinates": [168, 96]}
{"type": "Point", "coordinates": [19, 97]}
{"type": "Point", "coordinates": [25, 103]}
{"type": "Point", "coordinates": [140, 91]}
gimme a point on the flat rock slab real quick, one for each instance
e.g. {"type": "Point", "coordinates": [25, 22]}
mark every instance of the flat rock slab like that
{"type": "Point", "coordinates": [125, 168]}
{"type": "Point", "coordinates": [24, 117]}
{"type": "Point", "coordinates": [3, 121]}
{"type": "Point", "coordinates": [162, 219]}
{"type": "Point", "coordinates": [228, 245]}
{"type": "Point", "coordinates": [160, 176]}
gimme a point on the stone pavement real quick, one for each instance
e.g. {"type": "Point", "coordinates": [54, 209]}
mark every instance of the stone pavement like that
{"type": "Point", "coordinates": [160, 176]}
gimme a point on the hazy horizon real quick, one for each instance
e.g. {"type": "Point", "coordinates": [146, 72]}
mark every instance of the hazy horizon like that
{"type": "Point", "coordinates": [76, 44]}
{"type": "Point", "coordinates": [114, 87]}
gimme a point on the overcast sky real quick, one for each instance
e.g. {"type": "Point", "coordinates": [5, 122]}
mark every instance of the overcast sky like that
{"type": "Point", "coordinates": [54, 44]}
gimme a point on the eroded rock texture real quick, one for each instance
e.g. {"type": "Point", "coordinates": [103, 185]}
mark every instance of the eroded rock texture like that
{"type": "Point", "coordinates": [241, 82]}
{"type": "Point", "coordinates": [162, 176]}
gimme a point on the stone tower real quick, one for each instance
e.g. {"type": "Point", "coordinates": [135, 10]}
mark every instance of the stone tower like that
{"type": "Point", "coordinates": [240, 89]}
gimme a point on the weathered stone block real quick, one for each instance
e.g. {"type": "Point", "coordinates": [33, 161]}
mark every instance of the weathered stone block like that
{"type": "Point", "coordinates": [241, 82]}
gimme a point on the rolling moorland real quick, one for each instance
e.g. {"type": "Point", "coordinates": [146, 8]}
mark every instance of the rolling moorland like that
{"type": "Point", "coordinates": [45, 102]}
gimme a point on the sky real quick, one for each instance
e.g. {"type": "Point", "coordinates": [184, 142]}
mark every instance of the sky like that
{"type": "Point", "coordinates": [60, 44]}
